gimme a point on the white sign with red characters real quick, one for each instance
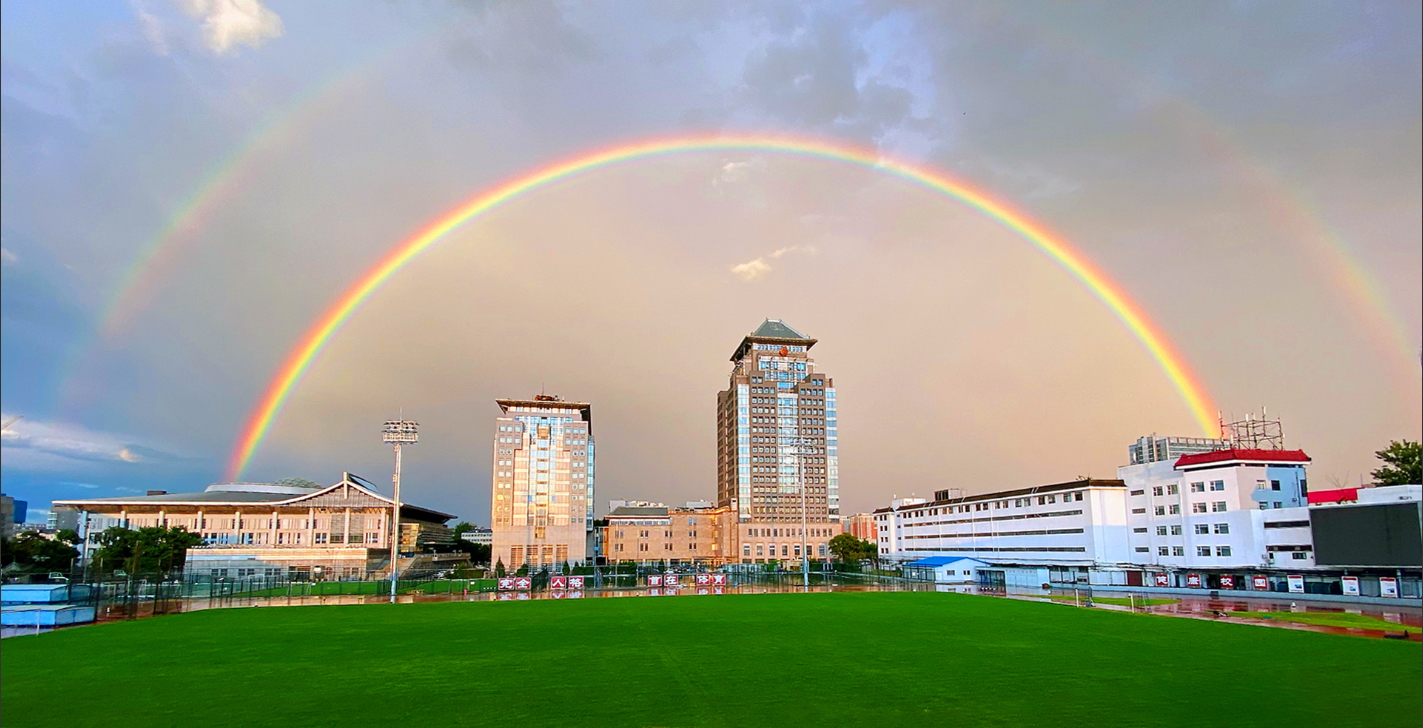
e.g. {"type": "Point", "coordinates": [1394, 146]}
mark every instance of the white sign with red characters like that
{"type": "Point", "coordinates": [1388, 587]}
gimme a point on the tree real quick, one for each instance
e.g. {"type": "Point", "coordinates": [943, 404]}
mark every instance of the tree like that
{"type": "Point", "coordinates": [463, 527]}
{"type": "Point", "coordinates": [32, 552]}
{"type": "Point", "coordinates": [846, 547]}
{"type": "Point", "coordinates": [1401, 464]}
{"type": "Point", "coordinates": [148, 549]}
{"type": "Point", "coordinates": [499, 568]}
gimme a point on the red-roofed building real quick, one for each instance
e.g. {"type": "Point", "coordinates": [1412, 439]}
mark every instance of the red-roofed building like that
{"type": "Point", "coordinates": [1232, 456]}
{"type": "Point", "coordinates": [1220, 509]}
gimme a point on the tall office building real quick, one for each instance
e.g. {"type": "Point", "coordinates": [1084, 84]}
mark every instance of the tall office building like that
{"type": "Point", "coordinates": [776, 424]}
{"type": "Point", "coordinates": [1153, 449]}
{"type": "Point", "coordinates": [543, 482]}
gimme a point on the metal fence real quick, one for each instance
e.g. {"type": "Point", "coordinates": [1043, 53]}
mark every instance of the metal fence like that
{"type": "Point", "coordinates": [122, 596]}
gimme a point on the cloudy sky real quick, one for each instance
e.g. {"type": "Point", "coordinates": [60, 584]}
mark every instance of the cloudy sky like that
{"type": "Point", "coordinates": [1247, 172]}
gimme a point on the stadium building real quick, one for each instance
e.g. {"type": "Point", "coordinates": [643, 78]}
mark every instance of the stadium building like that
{"type": "Point", "coordinates": [339, 531]}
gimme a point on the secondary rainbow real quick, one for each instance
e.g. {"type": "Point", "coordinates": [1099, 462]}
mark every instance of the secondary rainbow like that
{"type": "Point", "coordinates": [315, 339]}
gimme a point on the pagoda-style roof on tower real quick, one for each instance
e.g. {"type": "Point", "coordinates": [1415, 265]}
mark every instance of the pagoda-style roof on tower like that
{"type": "Point", "coordinates": [772, 331]}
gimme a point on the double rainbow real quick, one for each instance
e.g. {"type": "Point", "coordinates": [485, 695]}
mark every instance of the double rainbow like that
{"type": "Point", "coordinates": [311, 344]}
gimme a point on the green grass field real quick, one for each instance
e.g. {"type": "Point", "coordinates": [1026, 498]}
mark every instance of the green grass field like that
{"type": "Point", "coordinates": [851, 659]}
{"type": "Point", "coordinates": [1118, 601]}
{"type": "Point", "coordinates": [1327, 619]}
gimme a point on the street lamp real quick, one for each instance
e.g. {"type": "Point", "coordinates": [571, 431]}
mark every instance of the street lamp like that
{"type": "Point", "coordinates": [397, 433]}
{"type": "Point", "coordinates": [802, 445]}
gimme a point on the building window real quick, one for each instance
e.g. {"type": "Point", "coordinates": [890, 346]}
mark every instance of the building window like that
{"type": "Point", "coordinates": [746, 550]}
{"type": "Point", "coordinates": [1299, 555]}
{"type": "Point", "coordinates": [1203, 551]}
{"type": "Point", "coordinates": [1198, 508]}
{"type": "Point", "coordinates": [1142, 549]}
{"type": "Point", "coordinates": [1178, 550]}
{"type": "Point", "coordinates": [1161, 510]}
{"type": "Point", "coordinates": [1139, 511]}
{"type": "Point", "coordinates": [1274, 485]}
{"type": "Point", "coordinates": [1222, 528]}
{"type": "Point", "coordinates": [1173, 489]}
{"type": "Point", "coordinates": [1138, 492]}
{"type": "Point", "coordinates": [1157, 490]}
{"type": "Point", "coordinates": [1163, 551]}
{"type": "Point", "coordinates": [1198, 487]}
{"type": "Point", "coordinates": [1160, 530]}
{"type": "Point", "coordinates": [1202, 529]}
{"type": "Point", "coordinates": [1220, 507]}
{"type": "Point", "coordinates": [1222, 551]}
{"type": "Point", "coordinates": [1217, 485]}
{"type": "Point", "coordinates": [1174, 509]}
{"type": "Point", "coordinates": [1138, 530]}
{"type": "Point", "coordinates": [1277, 505]}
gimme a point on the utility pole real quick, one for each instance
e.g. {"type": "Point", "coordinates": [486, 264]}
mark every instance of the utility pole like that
{"type": "Point", "coordinates": [397, 433]}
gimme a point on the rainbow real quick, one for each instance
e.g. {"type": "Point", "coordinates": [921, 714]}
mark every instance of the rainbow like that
{"type": "Point", "coordinates": [223, 183]}
{"type": "Point", "coordinates": [315, 339]}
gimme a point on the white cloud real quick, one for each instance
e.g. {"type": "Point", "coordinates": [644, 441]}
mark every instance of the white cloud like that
{"type": "Point", "coordinates": [34, 445]}
{"type": "Point", "coordinates": [733, 172]}
{"type": "Point", "coordinates": [230, 23]}
{"type": "Point", "coordinates": [758, 267]}
{"type": "Point", "coordinates": [751, 269]}
{"type": "Point", "coordinates": [7, 257]}
{"type": "Point", "coordinates": [152, 28]}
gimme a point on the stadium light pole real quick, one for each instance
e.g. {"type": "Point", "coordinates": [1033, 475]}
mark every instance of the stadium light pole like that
{"type": "Point", "coordinates": [800, 444]}
{"type": "Point", "coordinates": [397, 432]}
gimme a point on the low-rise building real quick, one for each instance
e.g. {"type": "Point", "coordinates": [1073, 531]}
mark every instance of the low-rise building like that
{"type": "Point", "coordinates": [948, 569]}
{"type": "Point", "coordinates": [1070, 527]}
{"type": "Point", "coordinates": [265, 529]}
{"type": "Point", "coordinates": [861, 526]}
{"type": "Point", "coordinates": [1221, 509]}
{"type": "Point", "coordinates": [484, 536]}
{"type": "Point", "coordinates": [649, 534]}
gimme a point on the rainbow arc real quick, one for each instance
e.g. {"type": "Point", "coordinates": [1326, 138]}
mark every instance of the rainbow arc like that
{"type": "Point", "coordinates": [329, 323]}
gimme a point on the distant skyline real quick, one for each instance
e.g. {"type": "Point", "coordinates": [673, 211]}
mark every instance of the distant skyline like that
{"type": "Point", "coordinates": [186, 191]}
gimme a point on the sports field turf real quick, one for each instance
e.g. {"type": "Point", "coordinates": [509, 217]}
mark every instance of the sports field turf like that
{"type": "Point", "coordinates": [1328, 619]}
{"type": "Point", "coordinates": [851, 659]}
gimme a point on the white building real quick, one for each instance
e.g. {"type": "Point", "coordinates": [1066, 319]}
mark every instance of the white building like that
{"type": "Point", "coordinates": [1067, 527]}
{"type": "Point", "coordinates": [1151, 449]}
{"type": "Point", "coordinates": [951, 569]}
{"type": "Point", "coordinates": [478, 535]}
{"type": "Point", "coordinates": [1220, 509]}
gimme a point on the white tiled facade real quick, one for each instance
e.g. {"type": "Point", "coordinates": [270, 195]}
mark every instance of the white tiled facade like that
{"type": "Point", "coordinates": [1079, 523]}
{"type": "Point", "coordinates": [1219, 515]}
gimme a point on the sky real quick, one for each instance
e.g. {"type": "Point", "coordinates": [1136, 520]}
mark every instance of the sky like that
{"type": "Point", "coordinates": [1247, 173]}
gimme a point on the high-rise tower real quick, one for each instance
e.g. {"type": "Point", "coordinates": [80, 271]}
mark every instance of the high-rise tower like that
{"type": "Point", "coordinates": [776, 432]}
{"type": "Point", "coordinates": [543, 482]}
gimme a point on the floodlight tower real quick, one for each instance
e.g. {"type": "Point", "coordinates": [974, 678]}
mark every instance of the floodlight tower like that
{"type": "Point", "coordinates": [397, 433]}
